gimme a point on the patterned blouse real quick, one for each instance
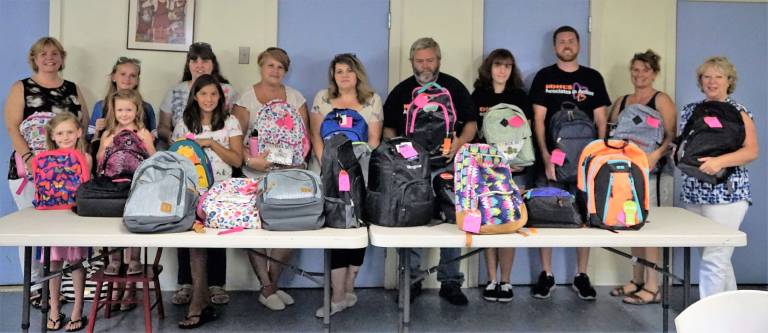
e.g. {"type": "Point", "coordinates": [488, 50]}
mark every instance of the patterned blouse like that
{"type": "Point", "coordinates": [41, 99]}
{"type": "Point", "coordinates": [735, 189]}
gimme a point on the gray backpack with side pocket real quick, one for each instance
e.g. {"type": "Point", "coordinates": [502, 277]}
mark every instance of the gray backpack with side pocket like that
{"type": "Point", "coordinates": [291, 199]}
{"type": "Point", "coordinates": [163, 195]}
{"type": "Point", "coordinates": [641, 125]}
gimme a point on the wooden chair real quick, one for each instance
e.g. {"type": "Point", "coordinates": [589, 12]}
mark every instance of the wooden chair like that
{"type": "Point", "coordinates": [148, 280]}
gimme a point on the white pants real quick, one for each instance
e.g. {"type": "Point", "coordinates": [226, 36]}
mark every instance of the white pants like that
{"type": "Point", "coordinates": [24, 200]}
{"type": "Point", "coordinates": [715, 270]}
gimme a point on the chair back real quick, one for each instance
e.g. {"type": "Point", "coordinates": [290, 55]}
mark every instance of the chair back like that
{"type": "Point", "coordinates": [733, 311]}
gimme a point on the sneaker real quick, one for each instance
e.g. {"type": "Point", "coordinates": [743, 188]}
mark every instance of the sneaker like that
{"type": "Point", "coordinates": [335, 308]}
{"type": "Point", "coordinates": [287, 299]}
{"type": "Point", "coordinates": [452, 293]}
{"type": "Point", "coordinates": [351, 299]}
{"type": "Point", "coordinates": [543, 288]}
{"type": "Point", "coordinates": [490, 292]}
{"type": "Point", "coordinates": [583, 288]}
{"type": "Point", "coordinates": [272, 302]}
{"type": "Point", "coordinates": [504, 290]}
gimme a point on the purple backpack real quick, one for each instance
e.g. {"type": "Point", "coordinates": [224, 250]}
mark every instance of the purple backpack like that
{"type": "Point", "coordinates": [123, 156]}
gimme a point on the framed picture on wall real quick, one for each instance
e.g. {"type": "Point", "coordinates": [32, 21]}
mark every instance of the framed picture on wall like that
{"type": "Point", "coordinates": [163, 25]}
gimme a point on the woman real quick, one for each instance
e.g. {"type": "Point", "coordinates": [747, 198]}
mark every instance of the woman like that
{"type": "Point", "coordinates": [200, 60]}
{"type": "Point", "coordinates": [44, 91]}
{"type": "Point", "coordinates": [499, 81]}
{"type": "Point", "coordinates": [643, 69]}
{"type": "Point", "coordinates": [274, 63]}
{"type": "Point", "coordinates": [348, 88]}
{"type": "Point", "coordinates": [725, 203]}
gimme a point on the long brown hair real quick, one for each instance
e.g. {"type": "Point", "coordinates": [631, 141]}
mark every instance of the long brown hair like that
{"type": "Point", "coordinates": [362, 88]}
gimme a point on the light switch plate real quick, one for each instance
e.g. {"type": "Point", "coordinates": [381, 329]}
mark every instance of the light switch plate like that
{"type": "Point", "coordinates": [244, 55]}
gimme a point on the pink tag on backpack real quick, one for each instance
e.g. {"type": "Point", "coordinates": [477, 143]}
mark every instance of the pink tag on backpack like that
{"type": "Point", "coordinates": [515, 121]}
{"type": "Point", "coordinates": [421, 100]}
{"type": "Point", "coordinates": [190, 136]}
{"type": "Point", "coordinates": [713, 122]}
{"type": "Point", "coordinates": [558, 157]}
{"type": "Point", "coordinates": [407, 151]}
{"type": "Point", "coordinates": [471, 221]}
{"type": "Point", "coordinates": [343, 181]}
{"type": "Point", "coordinates": [653, 122]}
{"type": "Point", "coordinates": [346, 122]}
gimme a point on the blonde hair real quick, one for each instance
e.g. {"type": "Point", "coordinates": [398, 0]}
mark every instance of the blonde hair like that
{"type": "Point", "coordinates": [275, 53]}
{"type": "Point", "coordinates": [58, 120]}
{"type": "Point", "coordinates": [362, 88]}
{"type": "Point", "coordinates": [130, 95]}
{"type": "Point", "coordinates": [38, 47]}
{"type": "Point", "coordinates": [724, 65]}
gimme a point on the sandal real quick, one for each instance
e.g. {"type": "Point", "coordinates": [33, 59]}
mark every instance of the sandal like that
{"type": "Point", "coordinates": [82, 322]}
{"type": "Point", "coordinates": [622, 291]}
{"type": "Point", "coordinates": [127, 306]}
{"type": "Point", "coordinates": [113, 268]}
{"type": "Point", "coordinates": [135, 268]}
{"type": "Point", "coordinates": [636, 299]}
{"type": "Point", "coordinates": [219, 296]}
{"type": "Point", "coordinates": [208, 314]}
{"type": "Point", "coordinates": [183, 295]}
{"type": "Point", "coordinates": [55, 325]}
{"type": "Point", "coordinates": [35, 298]}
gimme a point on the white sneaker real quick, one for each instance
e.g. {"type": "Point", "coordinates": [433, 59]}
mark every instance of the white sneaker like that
{"type": "Point", "coordinates": [351, 299]}
{"type": "Point", "coordinates": [335, 308]}
{"type": "Point", "coordinates": [287, 299]}
{"type": "Point", "coordinates": [272, 302]}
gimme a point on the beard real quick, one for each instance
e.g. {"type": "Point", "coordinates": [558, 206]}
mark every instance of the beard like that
{"type": "Point", "coordinates": [425, 76]}
{"type": "Point", "coordinates": [567, 58]}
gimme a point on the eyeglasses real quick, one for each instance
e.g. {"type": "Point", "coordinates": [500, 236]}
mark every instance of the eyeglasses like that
{"type": "Point", "coordinates": [199, 44]}
{"type": "Point", "coordinates": [124, 60]}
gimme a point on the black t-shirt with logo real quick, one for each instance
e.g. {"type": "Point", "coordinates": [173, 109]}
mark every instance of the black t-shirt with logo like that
{"type": "Point", "coordinates": [400, 97]}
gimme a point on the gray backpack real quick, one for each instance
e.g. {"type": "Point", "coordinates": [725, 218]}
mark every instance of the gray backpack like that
{"type": "Point", "coordinates": [291, 199]}
{"type": "Point", "coordinates": [163, 195]}
{"type": "Point", "coordinates": [641, 125]}
{"type": "Point", "coordinates": [506, 127]}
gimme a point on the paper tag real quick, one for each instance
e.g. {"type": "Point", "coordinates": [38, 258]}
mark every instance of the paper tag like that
{"type": "Point", "coordinates": [279, 155]}
{"type": "Point", "coordinates": [406, 150]}
{"type": "Point", "coordinates": [446, 146]}
{"type": "Point", "coordinates": [621, 217]}
{"type": "Point", "coordinates": [231, 231]}
{"type": "Point", "coordinates": [346, 122]}
{"type": "Point", "coordinates": [516, 121]}
{"type": "Point", "coordinates": [653, 122]}
{"type": "Point", "coordinates": [420, 100]}
{"type": "Point", "coordinates": [190, 136]}
{"type": "Point", "coordinates": [557, 157]}
{"type": "Point", "coordinates": [630, 209]}
{"type": "Point", "coordinates": [471, 221]}
{"type": "Point", "coordinates": [713, 122]}
{"type": "Point", "coordinates": [343, 181]}
{"type": "Point", "coordinates": [233, 198]}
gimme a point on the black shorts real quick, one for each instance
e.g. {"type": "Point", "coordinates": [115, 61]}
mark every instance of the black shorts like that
{"type": "Point", "coordinates": [341, 258]}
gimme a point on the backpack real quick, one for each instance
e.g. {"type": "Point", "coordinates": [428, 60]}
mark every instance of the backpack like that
{"type": "Point", "coordinates": [551, 207]}
{"type": "Point", "coordinates": [343, 209]}
{"type": "Point", "coordinates": [641, 125]}
{"type": "Point", "coordinates": [123, 156]}
{"type": "Point", "coordinates": [102, 197]}
{"type": "Point", "coordinates": [57, 174]}
{"type": "Point", "coordinates": [487, 199]}
{"type": "Point", "coordinates": [399, 192]}
{"type": "Point", "coordinates": [570, 129]}
{"type": "Point", "coordinates": [191, 150]}
{"type": "Point", "coordinates": [291, 199]}
{"type": "Point", "coordinates": [613, 178]}
{"type": "Point", "coordinates": [506, 127]}
{"type": "Point", "coordinates": [714, 129]}
{"type": "Point", "coordinates": [281, 131]}
{"type": "Point", "coordinates": [430, 120]}
{"type": "Point", "coordinates": [33, 130]}
{"type": "Point", "coordinates": [344, 121]}
{"type": "Point", "coordinates": [445, 201]}
{"type": "Point", "coordinates": [163, 196]}
{"type": "Point", "coordinates": [231, 203]}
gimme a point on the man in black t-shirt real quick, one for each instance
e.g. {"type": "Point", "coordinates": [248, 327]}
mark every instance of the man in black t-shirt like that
{"type": "Point", "coordinates": [425, 59]}
{"type": "Point", "coordinates": [565, 81]}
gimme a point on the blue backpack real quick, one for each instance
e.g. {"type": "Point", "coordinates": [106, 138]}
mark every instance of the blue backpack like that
{"type": "Point", "coordinates": [344, 121]}
{"type": "Point", "coordinates": [191, 150]}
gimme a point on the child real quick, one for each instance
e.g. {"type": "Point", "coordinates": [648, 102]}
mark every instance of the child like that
{"type": "Point", "coordinates": [126, 113]}
{"type": "Point", "coordinates": [213, 128]}
{"type": "Point", "coordinates": [64, 131]}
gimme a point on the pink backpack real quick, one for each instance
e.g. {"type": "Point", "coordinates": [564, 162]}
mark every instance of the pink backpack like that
{"type": "Point", "coordinates": [57, 175]}
{"type": "Point", "coordinates": [123, 156]}
{"type": "Point", "coordinates": [231, 204]}
{"type": "Point", "coordinates": [281, 131]}
{"type": "Point", "coordinates": [33, 130]}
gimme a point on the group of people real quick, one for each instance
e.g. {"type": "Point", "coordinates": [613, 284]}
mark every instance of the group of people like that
{"type": "Point", "coordinates": [220, 119]}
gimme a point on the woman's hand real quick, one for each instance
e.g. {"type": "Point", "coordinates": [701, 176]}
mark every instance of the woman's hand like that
{"type": "Point", "coordinates": [101, 123]}
{"type": "Point", "coordinates": [259, 162]}
{"type": "Point", "coordinates": [710, 165]}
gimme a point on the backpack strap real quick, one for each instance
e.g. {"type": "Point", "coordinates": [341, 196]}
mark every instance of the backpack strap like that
{"type": "Point", "coordinates": [623, 103]}
{"type": "Point", "coordinates": [652, 102]}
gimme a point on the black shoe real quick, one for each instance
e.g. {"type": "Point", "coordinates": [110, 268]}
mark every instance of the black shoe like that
{"type": "Point", "coordinates": [583, 288]}
{"type": "Point", "coordinates": [491, 291]}
{"type": "Point", "coordinates": [504, 290]}
{"type": "Point", "coordinates": [543, 288]}
{"type": "Point", "coordinates": [415, 290]}
{"type": "Point", "coordinates": [452, 293]}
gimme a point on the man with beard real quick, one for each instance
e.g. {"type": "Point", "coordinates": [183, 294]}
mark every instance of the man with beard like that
{"type": "Point", "coordinates": [425, 60]}
{"type": "Point", "coordinates": [564, 81]}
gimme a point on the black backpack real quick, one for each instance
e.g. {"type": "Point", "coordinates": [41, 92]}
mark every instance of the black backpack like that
{"type": "Point", "coordinates": [430, 120]}
{"type": "Point", "coordinates": [342, 209]}
{"type": "Point", "coordinates": [698, 139]}
{"type": "Point", "coordinates": [102, 197]}
{"type": "Point", "coordinates": [399, 190]}
{"type": "Point", "coordinates": [570, 129]}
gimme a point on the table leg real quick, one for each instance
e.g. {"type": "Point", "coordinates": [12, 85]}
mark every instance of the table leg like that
{"type": "Point", "coordinates": [400, 287]}
{"type": "Point", "coordinates": [327, 291]}
{"type": "Point", "coordinates": [407, 287]}
{"type": "Point", "coordinates": [686, 277]}
{"type": "Point", "coordinates": [27, 286]}
{"type": "Point", "coordinates": [45, 294]}
{"type": "Point", "coordinates": [665, 290]}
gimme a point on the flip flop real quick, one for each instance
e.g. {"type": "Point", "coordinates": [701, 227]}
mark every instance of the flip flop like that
{"type": "Point", "coordinates": [135, 268]}
{"type": "Point", "coordinates": [621, 291]}
{"type": "Point", "coordinates": [127, 306]}
{"type": "Point", "coordinates": [83, 321]}
{"type": "Point", "coordinates": [183, 295]}
{"type": "Point", "coordinates": [208, 314]}
{"type": "Point", "coordinates": [56, 323]}
{"type": "Point", "coordinates": [113, 268]}
{"type": "Point", "coordinates": [34, 299]}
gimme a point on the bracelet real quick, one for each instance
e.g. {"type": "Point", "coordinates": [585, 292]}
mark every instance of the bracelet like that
{"type": "Point", "coordinates": [27, 156]}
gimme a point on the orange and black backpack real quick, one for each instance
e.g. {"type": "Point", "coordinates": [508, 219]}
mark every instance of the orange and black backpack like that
{"type": "Point", "coordinates": [613, 176]}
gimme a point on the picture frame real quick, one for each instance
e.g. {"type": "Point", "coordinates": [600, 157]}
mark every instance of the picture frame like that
{"type": "Point", "coordinates": [160, 25]}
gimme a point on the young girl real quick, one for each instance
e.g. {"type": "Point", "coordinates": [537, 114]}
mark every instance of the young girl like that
{"type": "Point", "coordinates": [65, 131]}
{"type": "Point", "coordinates": [126, 113]}
{"type": "Point", "coordinates": [213, 128]}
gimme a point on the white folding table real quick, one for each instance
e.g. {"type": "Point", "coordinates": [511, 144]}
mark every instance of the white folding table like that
{"type": "Point", "coordinates": [668, 227]}
{"type": "Point", "coordinates": [30, 227]}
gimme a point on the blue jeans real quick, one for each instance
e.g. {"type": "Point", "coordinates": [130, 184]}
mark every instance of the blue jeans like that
{"type": "Point", "coordinates": [445, 274]}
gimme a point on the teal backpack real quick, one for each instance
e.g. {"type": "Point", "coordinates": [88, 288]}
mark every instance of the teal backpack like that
{"type": "Point", "coordinates": [506, 127]}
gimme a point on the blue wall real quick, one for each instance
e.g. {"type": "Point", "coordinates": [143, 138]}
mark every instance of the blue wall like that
{"type": "Point", "coordinates": [21, 23]}
{"type": "Point", "coordinates": [740, 32]}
